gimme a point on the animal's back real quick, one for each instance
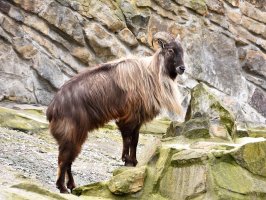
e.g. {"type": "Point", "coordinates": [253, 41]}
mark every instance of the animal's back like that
{"type": "Point", "coordinates": [84, 103]}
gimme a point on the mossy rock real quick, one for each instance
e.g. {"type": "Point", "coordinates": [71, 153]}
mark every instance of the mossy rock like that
{"type": "Point", "coordinates": [228, 180]}
{"type": "Point", "coordinates": [188, 157]}
{"type": "Point", "coordinates": [206, 105]}
{"type": "Point", "coordinates": [157, 126]}
{"type": "Point", "coordinates": [252, 156]}
{"type": "Point", "coordinates": [256, 130]}
{"type": "Point", "coordinates": [128, 182]}
{"type": "Point", "coordinates": [174, 129]}
{"type": "Point", "coordinates": [196, 128]}
{"type": "Point", "coordinates": [99, 189]}
{"type": "Point", "coordinates": [199, 6]}
{"type": "Point", "coordinates": [32, 191]}
{"type": "Point", "coordinates": [22, 121]}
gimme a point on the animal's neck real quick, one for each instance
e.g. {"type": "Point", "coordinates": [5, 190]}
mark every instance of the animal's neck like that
{"type": "Point", "coordinates": [154, 62]}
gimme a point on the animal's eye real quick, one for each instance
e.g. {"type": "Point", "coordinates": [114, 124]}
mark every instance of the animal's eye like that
{"type": "Point", "coordinates": [171, 51]}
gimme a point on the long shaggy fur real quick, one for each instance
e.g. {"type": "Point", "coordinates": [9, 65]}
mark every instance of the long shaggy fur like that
{"type": "Point", "coordinates": [127, 89]}
{"type": "Point", "coordinates": [132, 91]}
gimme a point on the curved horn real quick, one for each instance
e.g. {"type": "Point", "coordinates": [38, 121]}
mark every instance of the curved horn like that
{"type": "Point", "coordinates": [163, 38]}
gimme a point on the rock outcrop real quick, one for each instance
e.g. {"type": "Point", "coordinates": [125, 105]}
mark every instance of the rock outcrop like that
{"type": "Point", "coordinates": [203, 158]}
{"type": "Point", "coordinates": [44, 43]}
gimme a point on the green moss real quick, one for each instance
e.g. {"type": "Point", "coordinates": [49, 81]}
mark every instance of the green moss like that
{"type": "Point", "coordinates": [129, 181]}
{"type": "Point", "coordinates": [252, 156]}
{"type": "Point", "coordinates": [99, 189]}
{"type": "Point", "coordinates": [157, 126]}
{"type": "Point", "coordinates": [162, 165]}
{"type": "Point", "coordinates": [230, 176]}
{"type": "Point", "coordinates": [199, 6]}
{"type": "Point", "coordinates": [174, 129]}
{"type": "Point", "coordinates": [257, 132]}
{"type": "Point", "coordinates": [196, 128]}
{"type": "Point", "coordinates": [36, 189]}
{"type": "Point", "coordinates": [226, 117]}
{"type": "Point", "coordinates": [228, 180]}
{"type": "Point", "coordinates": [15, 120]}
{"type": "Point", "coordinates": [188, 157]}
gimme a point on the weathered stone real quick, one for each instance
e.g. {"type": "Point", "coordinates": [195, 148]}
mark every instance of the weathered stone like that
{"type": "Point", "coordinates": [16, 14]}
{"type": "Point", "coordinates": [258, 101]}
{"type": "Point", "coordinates": [18, 120]}
{"type": "Point", "coordinates": [254, 26]}
{"type": "Point", "coordinates": [188, 157]}
{"type": "Point", "coordinates": [255, 63]}
{"type": "Point", "coordinates": [196, 128]}
{"type": "Point", "coordinates": [36, 23]}
{"type": "Point", "coordinates": [127, 36]}
{"type": "Point", "coordinates": [16, 76]}
{"type": "Point", "coordinates": [11, 27]}
{"type": "Point", "coordinates": [95, 190]}
{"type": "Point", "coordinates": [105, 45]}
{"type": "Point", "coordinates": [203, 103]}
{"type": "Point", "coordinates": [129, 181]}
{"type": "Point", "coordinates": [198, 5]}
{"type": "Point", "coordinates": [25, 48]}
{"type": "Point", "coordinates": [83, 54]}
{"type": "Point", "coordinates": [174, 129]}
{"type": "Point", "coordinates": [207, 49]}
{"type": "Point", "coordinates": [260, 4]}
{"type": "Point", "coordinates": [234, 3]}
{"type": "Point", "coordinates": [64, 19]}
{"type": "Point", "coordinates": [49, 70]}
{"type": "Point", "coordinates": [252, 157]}
{"type": "Point", "coordinates": [233, 182]}
{"type": "Point", "coordinates": [5, 7]}
{"type": "Point", "coordinates": [234, 16]}
{"type": "Point", "coordinates": [162, 7]}
{"type": "Point", "coordinates": [184, 182]}
{"type": "Point", "coordinates": [157, 126]}
{"type": "Point", "coordinates": [256, 130]}
{"type": "Point", "coordinates": [249, 10]}
{"type": "Point", "coordinates": [107, 12]}
{"type": "Point", "coordinates": [136, 18]}
{"type": "Point", "coordinates": [215, 5]}
{"type": "Point", "coordinates": [32, 5]}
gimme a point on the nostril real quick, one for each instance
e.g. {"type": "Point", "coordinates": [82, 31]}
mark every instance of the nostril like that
{"type": "Point", "coordinates": [182, 68]}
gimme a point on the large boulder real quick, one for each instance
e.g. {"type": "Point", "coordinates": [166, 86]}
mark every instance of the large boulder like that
{"type": "Point", "coordinates": [224, 44]}
{"type": "Point", "coordinates": [206, 117]}
{"type": "Point", "coordinates": [26, 121]}
{"type": "Point", "coordinates": [187, 169]}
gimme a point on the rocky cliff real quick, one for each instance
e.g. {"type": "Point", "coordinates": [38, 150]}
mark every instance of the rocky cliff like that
{"type": "Point", "coordinates": [45, 42]}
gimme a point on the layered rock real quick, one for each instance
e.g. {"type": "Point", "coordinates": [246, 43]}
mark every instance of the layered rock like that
{"type": "Point", "coordinates": [203, 158]}
{"type": "Point", "coordinates": [44, 43]}
{"type": "Point", "coordinates": [184, 168]}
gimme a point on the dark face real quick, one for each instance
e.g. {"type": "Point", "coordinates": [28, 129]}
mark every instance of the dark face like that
{"type": "Point", "coordinates": [174, 63]}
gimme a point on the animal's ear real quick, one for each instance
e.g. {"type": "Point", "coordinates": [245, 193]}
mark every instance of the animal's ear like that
{"type": "Point", "coordinates": [161, 43]}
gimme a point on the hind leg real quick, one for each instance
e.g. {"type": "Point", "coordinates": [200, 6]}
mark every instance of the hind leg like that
{"type": "Point", "coordinates": [70, 183]}
{"type": "Point", "coordinates": [67, 154]}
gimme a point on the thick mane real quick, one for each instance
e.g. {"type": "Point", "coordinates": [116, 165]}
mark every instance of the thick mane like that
{"type": "Point", "coordinates": [145, 79]}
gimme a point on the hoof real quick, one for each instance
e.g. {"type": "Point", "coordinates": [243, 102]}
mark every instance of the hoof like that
{"type": "Point", "coordinates": [130, 163]}
{"type": "Point", "coordinates": [71, 186]}
{"type": "Point", "coordinates": [63, 189]}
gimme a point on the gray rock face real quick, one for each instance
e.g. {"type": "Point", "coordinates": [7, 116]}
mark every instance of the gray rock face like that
{"type": "Point", "coordinates": [44, 43]}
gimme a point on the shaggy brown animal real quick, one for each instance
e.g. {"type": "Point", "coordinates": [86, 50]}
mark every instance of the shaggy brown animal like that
{"type": "Point", "coordinates": [131, 91]}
